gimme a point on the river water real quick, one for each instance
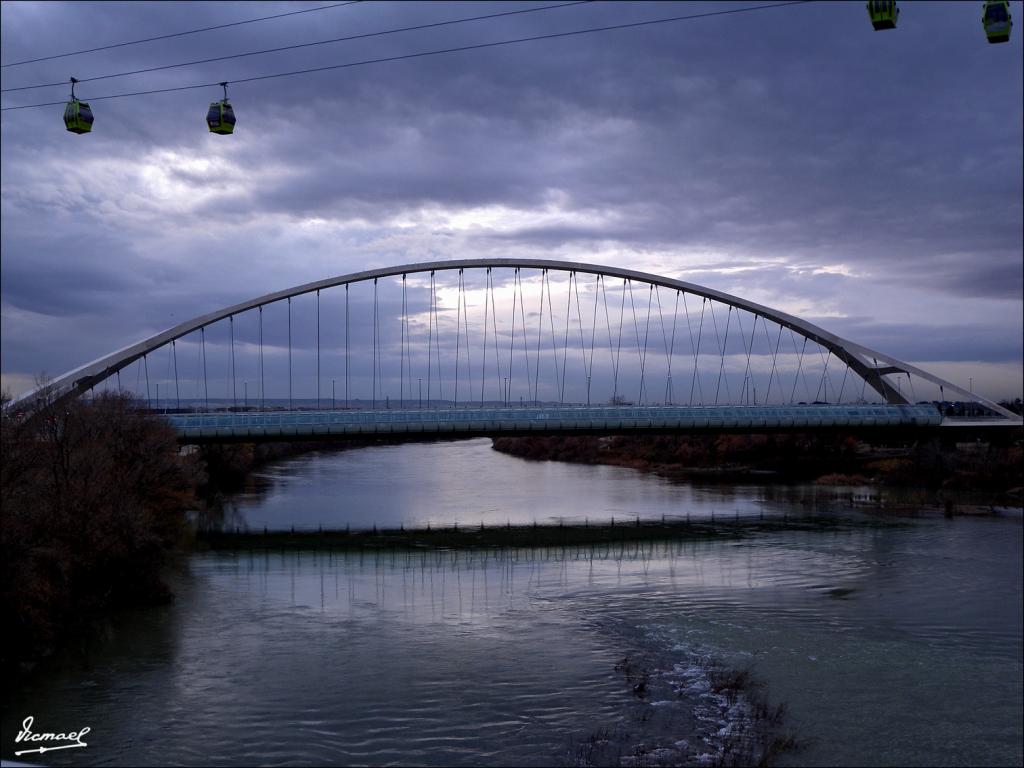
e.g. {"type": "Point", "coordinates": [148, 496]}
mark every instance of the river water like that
{"type": "Point", "coordinates": [889, 638]}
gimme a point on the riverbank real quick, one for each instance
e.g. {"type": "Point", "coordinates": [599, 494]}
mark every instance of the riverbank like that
{"type": "Point", "coordinates": [796, 458]}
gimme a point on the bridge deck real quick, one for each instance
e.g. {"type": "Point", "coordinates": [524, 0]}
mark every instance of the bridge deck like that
{"type": "Point", "coordinates": [523, 420]}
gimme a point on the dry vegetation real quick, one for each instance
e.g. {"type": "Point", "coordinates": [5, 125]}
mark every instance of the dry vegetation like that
{"type": "Point", "coordinates": [93, 499]}
{"type": "Point", "coordinates": [826, 458]}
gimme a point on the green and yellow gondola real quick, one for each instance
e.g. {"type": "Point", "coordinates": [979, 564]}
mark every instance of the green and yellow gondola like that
{"type": "Point", "coordinates": [77, 114]}
{"type": "Point", "coordinates": [221, 116]}
{"type": "Point", "coordinates": [883, 14]}
{"type": "Point", "coordinates": [995, 18]}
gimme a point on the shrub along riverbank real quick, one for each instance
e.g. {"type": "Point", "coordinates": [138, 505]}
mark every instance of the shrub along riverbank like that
{"type": "Point", "coordinates": [828, 459]}
{"type": "Point", "coordinates": [93, 501]}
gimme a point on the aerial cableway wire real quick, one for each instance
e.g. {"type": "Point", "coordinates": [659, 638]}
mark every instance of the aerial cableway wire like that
{"type": "Point", "coordinates": [417, 27]}
{"type": "Point", "coordinates": [177, 34]}
{"type": "Point", "coordinates": [422, 54]}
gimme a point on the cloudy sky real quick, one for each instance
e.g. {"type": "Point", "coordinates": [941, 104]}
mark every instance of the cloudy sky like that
{"type": "Point", "coordinates": [870, 182]}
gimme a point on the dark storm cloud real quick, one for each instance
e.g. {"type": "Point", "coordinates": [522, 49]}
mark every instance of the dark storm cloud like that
{"type": "Point", "coordinates": [793, 137]}
{"type": "Point", "coordinates": [79, 289]}
{"type": "Point", "coordinates": [982, 276]}
{"type": "Point", "coordinates": [917, 341]}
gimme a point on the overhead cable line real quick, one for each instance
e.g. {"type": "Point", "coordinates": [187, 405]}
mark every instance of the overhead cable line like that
{"type": "Point", "coordinates": [63, 83]}
{"type": "Point", "coordinates": [422, 54]}
{"type": "Point", "coordinates": [178, 34]}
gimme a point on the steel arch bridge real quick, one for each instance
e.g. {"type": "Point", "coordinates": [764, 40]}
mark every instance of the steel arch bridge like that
{"type": "Point", "coordinates": [500, 323]}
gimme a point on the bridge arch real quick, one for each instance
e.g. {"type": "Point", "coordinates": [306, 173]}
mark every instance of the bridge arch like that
{"type": "Point", "coordinates": [870, 365]}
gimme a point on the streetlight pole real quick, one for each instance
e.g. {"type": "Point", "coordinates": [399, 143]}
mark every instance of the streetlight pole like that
{"type": "Point", "coordinates": [421, 393]}
{"type": "Point", "coordinates": [333, 404]}
{"type": "Point", "coordinates": [245, 390]}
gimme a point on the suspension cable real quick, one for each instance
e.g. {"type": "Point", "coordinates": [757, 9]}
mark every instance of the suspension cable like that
{"type": "Point", "coordinates": [494, 328]}
{"type": "Point", "coordinates": [750, 351]}
{"type": "Point", "coordinates": [318, 349]}
{"type": "Point", "coordinates": [824, 381]}
{"type": "Point", "coordinates": [696, 355]}
{"type": "Point", "coordinates": [458, 337]}
{"type": "Point", "coordinates": [671, 395]}
{"type": "Point", "coordinates": [234, 388]}
{"type": "Point", "coordinates": [437, 344]}
{"type": "Point", "coordinates": [746, 371]}
{"type": "Point", "coordinates": [483, 358]}
{"type": "Point", "coordinates": [551, 325]}
{"type": "Point", "coordinates": [373, 362]}
{"type": "Point", "coordinates": [775, 355]}
{"type": "Point", "coordinates": [718, 346]}
{"type": "Point", "coordinates": [636, 331]}
{"type": "Point", "coordinates": [565, 339]}
{"type": "Point", "coordinates": [401, 353]}
{"type": "Point", "coordinates": [347, 325]}
{"type": "Point", "coordinates": [618, 351]}
{"type": "Point", "coordinates": [579, 320]}
{"type": "Point", "coordinates": [289, 353]}
{"type": "Point", "coordinates": [842, 386]}
{"type": "Point", "coordinates": [540, 333]}
{"type": "Point", "coordinates": [469, 359]}
{"type": "Point", "coordinates": [177, 390]}
{"type": "Point", "coordinates": [647, 332]}
{"type": "Point", "coordinates": [664, 342]}
{"type": "Point", "coordinates": [512, 338]}
{"type": "Point", "coordinates": [593, 335]}
{"type": "Point", "coordinates": [526, 340]}
{"type": "Point", "coordinates": [430, 337]}
{"type": "Point", "coordinates": [206, 384]}
{"type": "Point", "coordinates": [263, 393]}
{"type": "Point", "coordinates": [824, 372]}
{"type": "Point", "coordinates": [799, 365]}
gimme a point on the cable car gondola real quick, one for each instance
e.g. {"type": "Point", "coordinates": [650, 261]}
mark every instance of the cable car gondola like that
{"type": "Point", "coordinates": [883, 14]}
{"type": "Point", "coordinates": [77, 115]}
{"type": "Point", "coordinates": [996, 19]}
{"type": "Point", "coordinates": [221, 117]}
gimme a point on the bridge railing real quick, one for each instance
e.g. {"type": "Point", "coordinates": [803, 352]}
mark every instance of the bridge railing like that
{"type": "Point", "coordinates": [527, 420]}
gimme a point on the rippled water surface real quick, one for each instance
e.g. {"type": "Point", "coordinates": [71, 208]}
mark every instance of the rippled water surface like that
{"type": "Point", "coordinates": [889, 642]}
